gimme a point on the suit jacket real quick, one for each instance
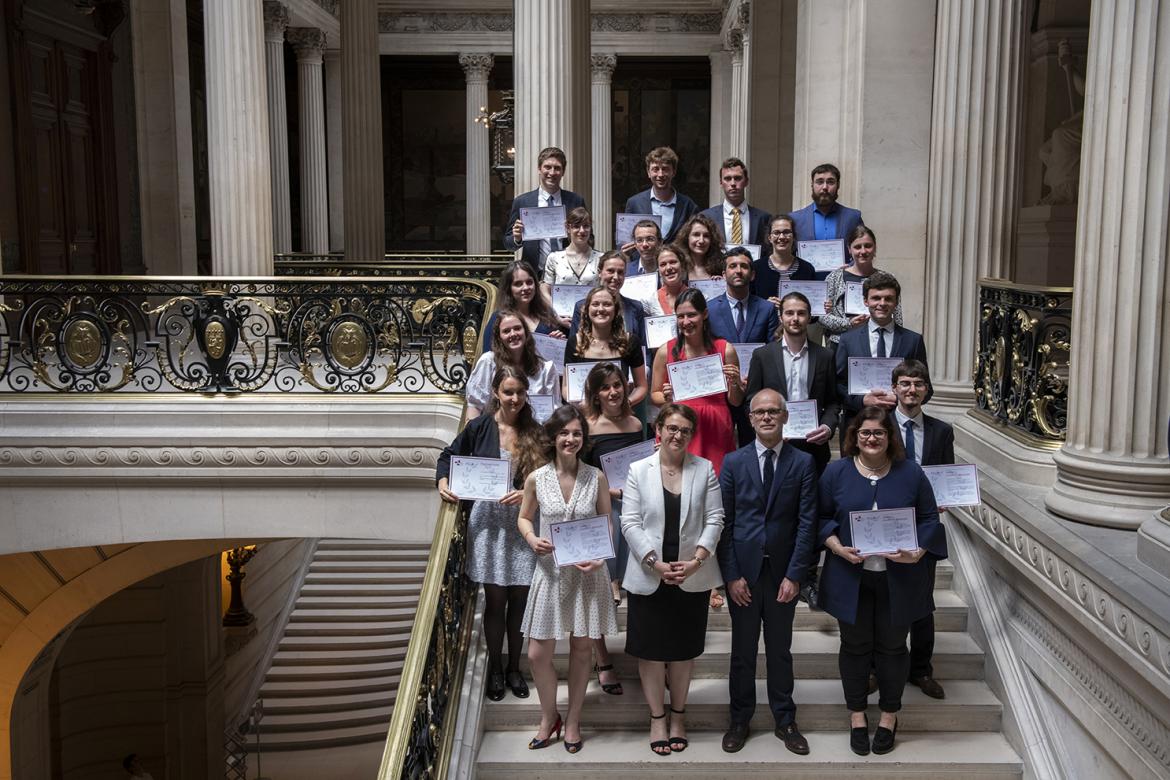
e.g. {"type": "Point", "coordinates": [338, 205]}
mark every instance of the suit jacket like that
{"type": "Point", "coordinates": [643, 521]}
{"type": "Point", "coordinates": [684, 209]}
{"type": "Point", "coordinates": [781, 525]}
{"type": "Point", "coordinates": [531, 200]}
{"type": "Point", "coordinates": [480, 438]}
{"type": "Point", "coordinates": [843, 490]}
{"type": "Point", "coordinates": [938, 441]}
{"type": "Point", "coordinates": [855, 343]}
{"type": "Point", "coordinates": [767, 371]}
{"type": "Point", "coordinates": [805, 227]}
{"type": "Point", "coordinates": [756, 231]}
{"type": "Point", "coordinates": [760, 320]}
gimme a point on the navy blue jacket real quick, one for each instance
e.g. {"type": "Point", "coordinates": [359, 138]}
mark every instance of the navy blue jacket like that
{"type": "Point", "coordinates": [684, 209]}
{"type": "Point", "coordinates": [754, 233]}
{"type": "Point", "coordinates": [531, 200]}
{"type": "Point", "coordinates": [760, 322]}
{"type": "Point", "coordinates": [855, 343]}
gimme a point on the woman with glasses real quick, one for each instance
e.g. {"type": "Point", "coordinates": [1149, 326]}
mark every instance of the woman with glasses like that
{"type": "Point", "coordinates": [700, 238]}
{"type": "Point", "coordinates": [576, 264]}
{"type": "Point", "coordinates": [672, 516]}
{"type": "Point", "coordinates": [782, 264]}
{"type": "Point", "coordinates": [520, 293]}
{"type": "Point", "coordinates": [875, 597]}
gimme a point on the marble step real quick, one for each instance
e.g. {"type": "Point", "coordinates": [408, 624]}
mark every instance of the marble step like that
{"type": "Point", "coordinates": [407, 598]}
{"type": "Point", "coordinates": [328, 701]}
{"type": "Point", "coordinates": [398, 548]}
{"type": "Point", "coordinates": [336, 655]}
{"type": "Point", "coordinates": [357, 615]}
{"type": "Point", "coordinates": [503, 755]}
{"type": "Point", "coordinates": [328, 738]}
{"type": "Point", "coordinates": [323, 721]}
{"type": "Point", "coordinates": [814, 654]}
{"type": "Point", "coordinates": [970, 706]}
{"type": "Point", "coordinates": [412, 577]}
{"type": "Point", "coordinates": [319, 625]}
{"type": "Point", "coordinates": [368, 590]}
{"type": "Point", "coordinates": [349, 671]}
{"type": "Point", "coordinates": [326, 642]}
{"type": "Point", "coordinates": [311, 688]}
{"type": "Point", "coordinates": [370, 565]}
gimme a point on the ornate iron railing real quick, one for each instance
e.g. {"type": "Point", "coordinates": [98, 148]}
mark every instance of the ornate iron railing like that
{"type": "Point", "coordinates": [1021, 370]}
{"type": "Point", "coordinates": [484, 267]}
{"type": "Point", "coordinates": [231, 335]}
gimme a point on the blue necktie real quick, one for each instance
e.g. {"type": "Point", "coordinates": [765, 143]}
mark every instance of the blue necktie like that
{"type": "Point", "coordinates": [908, 426]}
{"type": "Point", "coordinates": [769, 472]}
{"type": "Point", "coordinates": [738, 307]}
{"type": "Point", "coordinates": [881, 350]}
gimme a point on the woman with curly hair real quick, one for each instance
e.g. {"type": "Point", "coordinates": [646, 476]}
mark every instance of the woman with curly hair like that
{"type": "Point", "coordinates": [602, 335]}
{"type": "Point", "coordinates": [699, 237]}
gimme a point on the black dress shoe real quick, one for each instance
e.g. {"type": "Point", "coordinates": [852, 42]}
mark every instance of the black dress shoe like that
{"type": "Point", "coordinates": [495, 686]}
{"type": "Point", "coordinates": [929, 686]}
{"type": "Point", "coordinates": [883, 739]}
{"type": "Point", "coordinates": [736, 736]}
{"type": "Point", "coordinates": [793, 739]}
{"type": "Point", "coordinates": [859, 738]}
{"type": "Point", "coordinates": [516, 682]}
{"type": "Point", "coordinates": [811, 596]}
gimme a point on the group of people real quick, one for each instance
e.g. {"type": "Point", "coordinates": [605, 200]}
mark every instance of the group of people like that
{"type": "Point", "coordinates": [726, 500]}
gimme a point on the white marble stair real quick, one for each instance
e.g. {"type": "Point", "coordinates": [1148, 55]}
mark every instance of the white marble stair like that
{"type": "Point", "coordinates": [335, 674]}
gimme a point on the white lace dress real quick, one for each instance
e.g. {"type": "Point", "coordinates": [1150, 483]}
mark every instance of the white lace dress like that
{"type": "Point", "coordinates": [564, 601]}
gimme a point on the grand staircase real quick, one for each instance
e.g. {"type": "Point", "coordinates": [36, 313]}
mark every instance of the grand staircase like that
{"type": "Point", "coordinates": [958, 737]}
{"type": "Point", "coordinates": [334, 677]}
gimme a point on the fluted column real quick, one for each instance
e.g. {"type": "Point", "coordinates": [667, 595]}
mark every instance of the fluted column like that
{"type": "Point", "coordinates": [736, 130]}
{"type": "Point", "coordinates": [721, 92]}
{"type": "Point", "coordinates": [237, 139]}
{"type": "Point", "coordinates": [361, 129]}
{"type": "Point", "coordinates": [971, 204]}
{"type": "Point", "coordinates": [476, 69]}
{"type": "Point", "coordinates": [1113, 468]}
{"type": "Point", "coordinates": [275, 23]}
{"type": "Point", "coordinates": [552, 88]}
{"type": "Point", "coordinates": [602, 101]}
{"type": "Point", "coordinates": [309, 43]}
{"type": "Point", "coordinates": [334, 167]}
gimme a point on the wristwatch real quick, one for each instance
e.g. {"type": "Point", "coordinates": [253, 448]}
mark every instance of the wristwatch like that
{"type": "Point", "coordinates": [698, 560]}
{"type": "Point", "coordinates": [650, 560]}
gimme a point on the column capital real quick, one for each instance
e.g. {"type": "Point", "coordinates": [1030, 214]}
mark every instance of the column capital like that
{"type": "Point", "coordinates": [275, 21]}
{"type": "Point", "coordinates": [308, 42]}
{"type": "Point", "coordinates": [603, 66]}
{"type": "Point", "coordinates": [733, 42]}
{"type": "Point", "coordinates": [476, 67]}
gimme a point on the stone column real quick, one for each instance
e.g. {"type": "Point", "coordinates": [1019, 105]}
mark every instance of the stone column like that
{"type": "Point", "coordinates": [552, 88]}
{"type": "Point", "coordinates": [1113, 468]}
{"type": "Point", "coordinates": [361, 128]}
{"type": "Point", "coordinates": [237, 139]}
{"type": "Point", "coordinates": [736, 133]}
{"type": "Point", "coordinates": [721, 92]}
{"type": "Point", "coordinates": [333, 150]}
{"type": "Point", "coordinates": [971, 203]}
{"type": "Point", "coordinates": [476, 69]}
{"type": "Point", "coordinates": [602, 101]}
{"type": "Point", "coordinates": [309, 43]}
{"type": "Point", "coordinates": [275, 23]}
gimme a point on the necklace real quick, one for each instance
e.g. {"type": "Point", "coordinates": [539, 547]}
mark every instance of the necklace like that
{"type": "Point", "coordinates": [874, 474]}
{"type": "Point", "coordinates": [670, 471]}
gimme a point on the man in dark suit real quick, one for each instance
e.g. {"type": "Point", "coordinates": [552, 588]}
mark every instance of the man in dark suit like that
{"type": "Point", "coordinates": [662, 199]}
{"type": "Point", "coordinates": [825, 219]}
{"type": "Point", "coordinates": [930, 442]}
{"type": "Point", "coordinates": [880, 336]}
{"type": "Point", "coordinates": [769, 529]}
{"type": "Point", "coordinates": [550, 165]}
{"type": "Point", "coordinates": [611, 275]}
{"type": "Point", "coordinates": [738, 222]}
{"type": "Point", "coordinates": [799, 370]}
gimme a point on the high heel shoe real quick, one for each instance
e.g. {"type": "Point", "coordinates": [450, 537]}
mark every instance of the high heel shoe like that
{"type": "Point", "coordinates": [553, 735]}
{"type": "Point", "coordinates": [859, 738]}
{"type": "Point", "coordinates": [883, 739]}
{"type": "Point", "coordinates": [573, 747]}
{"type": "Point", "coordinates": [613, 689]}
{"type": "Point", "coordinates": [678, 744]}
{"type": "Point", "coordinates": [660, 747]}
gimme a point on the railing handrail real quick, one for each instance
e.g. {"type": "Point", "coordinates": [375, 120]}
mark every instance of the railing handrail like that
{"type": "Point", "coordinates": [1008, 284]}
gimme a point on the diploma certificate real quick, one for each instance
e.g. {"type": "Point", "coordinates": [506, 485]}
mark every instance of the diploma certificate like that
{"type": "Point", "coordinates": [616, 464]}
{"type": "Point", "coordinates": [855, 298]}
{"type": "Point", "coordinates": [565, 297]}
{"type": "Point", "coordinates": [803, 419]}
{"type": "Point", "coordinates": [552, 349]}
{"type": "Point", "coordinates": [883, 531]}
{"type": "Point", "coordinates": [753, 249]}
{"type": "Point", "coordinates": [660, 330]}
{"type": "Point", "coordinates": [816, 292]}
{"type": "Point", "coordinates": [575, 374]}
{"type": "Point", "coordinates": [541, 223]}
{"type": "Point", "coordinates": [697, 377]}
{"type": "Point", "coordinates": [624, 226]}
{"type": "Point", "coordinates": [954, 485]}
{"type": "Point", "coordinates": [823, 255]}
{"type": "Point", "coordinates": [744, 353]}
{"type": "Point", "coordinates": [640, 287]}
{"type": "Point", "coordinates": [711, 288]}
{"type": "Point", "coordinates": [867, 374]}
{"type": "Point", "coordinates": [489, 479]}
{"type": "Point", "coordinates": [542, 406]}
{"type": "Point", "coordinates": [578, 541]}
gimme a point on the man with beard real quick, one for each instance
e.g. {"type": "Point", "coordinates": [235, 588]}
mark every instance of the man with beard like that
{"type": "Point", "coordinates": [825, 219]}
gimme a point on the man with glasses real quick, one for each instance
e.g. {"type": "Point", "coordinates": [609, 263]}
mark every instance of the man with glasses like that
{"type": "Point", "coordinates": [645, 245]}
{"type": "Point", "coordinates": [769, 532]}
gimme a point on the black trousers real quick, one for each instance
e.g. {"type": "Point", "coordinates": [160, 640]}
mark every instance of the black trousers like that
{"type": "Point", "coordinates": [922, 641]}
{"type": "Point", "coordinates": [873, 642]}
{"type": "Point", "coordinates": [776, 619]}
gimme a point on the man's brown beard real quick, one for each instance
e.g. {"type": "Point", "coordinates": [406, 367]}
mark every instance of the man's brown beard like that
{"type": "Point", "coordinates": [825, 199]}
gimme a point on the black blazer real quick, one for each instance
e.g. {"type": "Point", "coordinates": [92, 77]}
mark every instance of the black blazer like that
{"type": "Point", "coordinates": [531, 200]}
{"type": "Point", "coordinates": [938, 442]}
{"type": "Point", "coordinates": [761, 223]}
{"type": "Point", "coordinates": [767, 371]}
{"type": "Point", "coordinates": [684, 209]}
{"type": "Point", "coordinates": [855, 343]}
{"type": "Point", "coordinates": [480, 438]}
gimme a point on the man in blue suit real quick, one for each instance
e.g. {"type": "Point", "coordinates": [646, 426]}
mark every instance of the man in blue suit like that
{"type": "Point", "coordinates": [738, 222]}
{"type": "Point", "coordinates": [769, 529]}
{"type": "Point", "coordinates": [550, 165]}
{"type": "Point", "coordinates": [662, 199]}
{"type": "Point", "coordinates": [825, 219]}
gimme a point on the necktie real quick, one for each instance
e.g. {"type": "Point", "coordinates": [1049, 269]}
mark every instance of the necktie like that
{"type": "Point", "coordinates": [908, 426]}
{"type": "Point", "coordinates": [546, 244]}
{"type": "Point", "coordinates": [736, 227]}
{"type": "Point", "coordinates": [737, 307]}
{"type": "Point", "coordinates": [881, 350]}
{"type": "Point", "coordinates": [769, 471]}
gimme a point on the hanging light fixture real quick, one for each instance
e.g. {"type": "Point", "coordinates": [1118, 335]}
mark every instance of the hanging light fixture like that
{"type": "Point", "coordinates": [502, 138]}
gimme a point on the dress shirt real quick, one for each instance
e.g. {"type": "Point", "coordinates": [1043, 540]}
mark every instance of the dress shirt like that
{"type": "Point", "coordinates": [546, 244]}
{"type": "Point", "coordinates": [919, 431]}
{"type": "Point", "coordinates": [664, 209]}
{"type": "Point", "coordinates": [873, 337]}
{"type": "Point", "coordinates": [761, 449]}
{"type": "Point", "coordinates": [825, 225]}
{"type": "Point", "coordinates": [796, 367]}
{"type": "Point", "coordinates": [744, 219]}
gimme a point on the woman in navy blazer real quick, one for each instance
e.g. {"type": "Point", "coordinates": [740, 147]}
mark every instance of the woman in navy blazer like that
{"type": "Point", "coordinates": [875, 598]}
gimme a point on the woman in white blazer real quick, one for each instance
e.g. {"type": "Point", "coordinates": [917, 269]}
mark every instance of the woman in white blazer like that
{"type": "Point", "coordinates": [672, 517]}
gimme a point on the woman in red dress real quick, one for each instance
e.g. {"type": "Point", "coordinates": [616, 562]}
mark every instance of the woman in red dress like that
{"type": "Point", "coordinates": [715, 433]}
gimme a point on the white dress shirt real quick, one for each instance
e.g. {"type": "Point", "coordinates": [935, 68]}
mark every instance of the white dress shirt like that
{"type": "Point", "coordinates": [744, 218]}
{"type": "Point", "coordinates": [796, 371]}
{"type": "Point", "coordinates": [761, 449]}
{"type": "Point", "coordinates": [919, 432]}
{"type": "Point", "coordinates": [547, 245]}
{"type": "Point", "coordinates": [873, 338]}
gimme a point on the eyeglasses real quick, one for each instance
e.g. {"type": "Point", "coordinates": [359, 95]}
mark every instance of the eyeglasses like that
{"type": "Point", "coordinates": [781, 233]}
{"type": "Point", "coordinates": [766, 412]}
{"type": "Point", "coordinates": [646, 241]}
{"type": "Point", "coordinates": [866, 434]}
{"type": "Point", "coordinates": [911, 384]}
{"type": "Point", "coordinates": [675, 430]}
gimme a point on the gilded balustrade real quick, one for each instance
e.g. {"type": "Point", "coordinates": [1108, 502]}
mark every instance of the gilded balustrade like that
{"type": "Point", "coordinates": [450, 266]}
{"type": "Point", "coordinates": [1021, 369]}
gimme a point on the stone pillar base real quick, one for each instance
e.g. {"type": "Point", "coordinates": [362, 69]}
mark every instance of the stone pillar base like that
{"type": "Point", "coordinates": [1107, 490]}
{"type": "Point", "coordinates": [986, 441]}
{"type": "Point", "coordinates": [1153, 542]}
{"type": "Point", "coordinates": [951, 400]}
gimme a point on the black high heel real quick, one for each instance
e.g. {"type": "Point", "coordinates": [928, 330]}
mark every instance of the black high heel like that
{"type": "Point", "coordinates": [859, 738]}
{"type": "Point", "coordinates": [883, 744]}
{"type": "Point", "coordinates": [678, 744]}
{"type": "Point", "coordinates": [660, 747]}
{"type": "Point", "coordinates": [613, 689]}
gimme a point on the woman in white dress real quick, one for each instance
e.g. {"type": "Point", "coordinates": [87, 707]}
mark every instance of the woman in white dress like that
{"type": "Point", "coordinates": [512, 345]}
{"type": "Point", "coordinates": [575, 600]}
{"type": "Point", "coordinates": [578, 263]}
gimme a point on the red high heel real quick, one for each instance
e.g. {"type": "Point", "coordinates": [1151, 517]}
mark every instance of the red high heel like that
{"type": "Point", "coordinates": [553, 735]}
